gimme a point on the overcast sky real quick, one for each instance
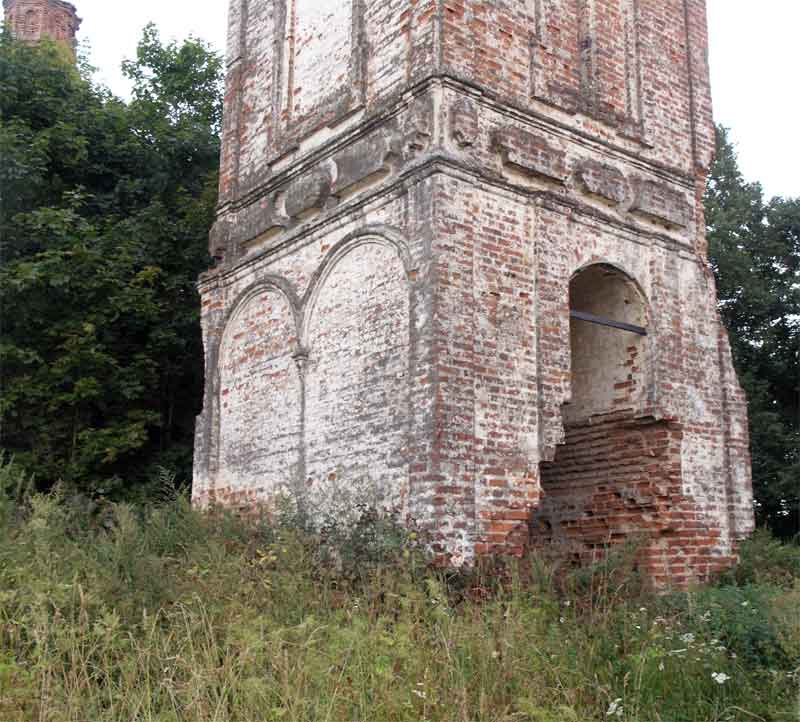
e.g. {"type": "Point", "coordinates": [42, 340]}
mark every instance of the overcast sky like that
{"type": "Point", "coordinates": [755, 62]}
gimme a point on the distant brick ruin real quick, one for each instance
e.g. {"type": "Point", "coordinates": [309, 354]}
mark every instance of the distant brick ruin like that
{"type": "Point", "coordinates": [462, 276]}
{"type": "Point", "coordinates": [32, 20]}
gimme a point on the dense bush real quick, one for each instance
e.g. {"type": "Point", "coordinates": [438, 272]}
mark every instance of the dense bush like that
{"type": "Point", "coordinates": [754, 251]}
{"type": "Point", "coordinates": [110, 612]}
{"type": "Point", "coordinates": [105, 208]}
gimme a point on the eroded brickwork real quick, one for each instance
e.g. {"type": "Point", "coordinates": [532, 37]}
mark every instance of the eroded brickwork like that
{"type": "Point", "coordinates": [422, 203]}
{"type": "Point", "coordinates": [32, 20]}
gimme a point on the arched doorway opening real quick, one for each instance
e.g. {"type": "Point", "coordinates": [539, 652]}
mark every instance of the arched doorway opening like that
{"type": "Point", "coordinates": [608, 328]}
{"type": "Point", "coordinates": [32, 25]}
{"type": "Point", "coordinates": [592, 491]}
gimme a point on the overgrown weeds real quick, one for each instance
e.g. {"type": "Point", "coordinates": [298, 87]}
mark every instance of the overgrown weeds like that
{"type": "Point", "coordinates": [166, 614]}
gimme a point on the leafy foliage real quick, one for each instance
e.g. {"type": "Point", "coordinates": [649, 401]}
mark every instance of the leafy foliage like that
{"type": "Point", "coordinates": [754, 248]}
{"type": "Point", "coordinates": [764, 560]}
{"type": "Point", "coordinates": [105, 211]}
{"type": "Point", "coordinates": [15, 487]}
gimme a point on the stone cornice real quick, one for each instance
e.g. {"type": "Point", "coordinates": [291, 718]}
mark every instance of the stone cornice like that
{"type": "Point", "coordinates": [632, 152]}
{"type": "Point", "coordinates": [441, 164]}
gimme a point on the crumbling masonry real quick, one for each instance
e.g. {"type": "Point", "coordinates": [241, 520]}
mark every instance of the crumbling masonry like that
{"type": "Point", "coordinates": [32, 20]}
{"type": "Point", "coordinates": [461, 275]}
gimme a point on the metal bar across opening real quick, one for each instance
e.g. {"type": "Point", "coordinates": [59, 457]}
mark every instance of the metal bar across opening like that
{"type": "Point", "coordinates": [591, 318]}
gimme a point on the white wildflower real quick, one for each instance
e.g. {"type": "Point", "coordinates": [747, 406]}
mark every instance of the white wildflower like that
{"type": "Point", "coordinates": [615, 708]}
{"type": "Point", "coordinates": [687, 638]}
{"type": "Point", "coordinates": [720, 677]}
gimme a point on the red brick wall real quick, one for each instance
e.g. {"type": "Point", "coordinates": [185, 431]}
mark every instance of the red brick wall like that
{"type": "Point", "coordinates": [32, 20]}
{"type": "Point", "coordinates": [629, 68]}
{"type": "Point", "coordinates": [424, 224]}
{"type": "Point", "coordinates": [620, 479]}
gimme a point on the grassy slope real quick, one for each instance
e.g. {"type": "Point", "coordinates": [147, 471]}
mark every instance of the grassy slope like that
{"type": "Point", "coordinates": [167, 614]}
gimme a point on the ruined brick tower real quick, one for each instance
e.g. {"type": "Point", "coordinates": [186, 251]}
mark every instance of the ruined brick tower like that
{"type": "Point", "coordinates": [31, 20]}
{"type": "Point", "coordinates": [461, 274]}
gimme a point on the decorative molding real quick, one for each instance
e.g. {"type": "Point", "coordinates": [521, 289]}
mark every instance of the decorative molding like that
{"type": "Point", "coordinates": [528, 157]}
{"type": "Point", "coordinates": [307, 192]}
{"type": "Point", "coordinates": [585, 96]}
{"type": "Point", "coordinates": [341, 98]}
{"type": "Point", "coordinates": [529, 153]}
{"type": "Point", "coordinates": [587, 49]}
{"type": "Point", "coordinates": [418, 126]}
{"type": "Point", "coordinates": [603, 180]}
{"type": "Point", "coordinates": [464, 123]}
{"type": "Point", "coordinates": [633, 69]}
{"type": "Point", "coordinates": [661, 202]}
{"type": "Point", "coordinates": [367, 157]}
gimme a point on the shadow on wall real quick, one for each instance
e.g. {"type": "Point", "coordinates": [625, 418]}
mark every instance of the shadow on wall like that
{"type": "Point", "coordinates": [607, 335]}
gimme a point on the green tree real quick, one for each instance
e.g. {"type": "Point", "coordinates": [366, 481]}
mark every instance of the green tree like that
{"type": "Point", "coordinates": [104, 212]}
{"type": "Point", "coordinates": [754, 247]}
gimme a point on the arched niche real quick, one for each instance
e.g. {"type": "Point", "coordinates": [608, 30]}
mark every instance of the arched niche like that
{"type": "Point", "coordinates": [320, 33]}
{"type": "Point", "coordinates": [357, 399]}
{"type": "Point", "coordinates": [608, 329]}
{"type": "Point", "coordinates": [259, 398]}
{"type": "Point", "coordinates": [32, 24]}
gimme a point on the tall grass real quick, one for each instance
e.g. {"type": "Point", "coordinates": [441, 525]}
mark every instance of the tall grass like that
{"type": "Point", "coordinates": [166, 614]}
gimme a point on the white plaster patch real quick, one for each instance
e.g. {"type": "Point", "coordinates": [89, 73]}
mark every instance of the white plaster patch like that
{"type": "Point", "coordinates": [704, 480]}
{"type": "Point", "coordinates": [260, 397]}
{"type": "Point", "coordinates": [322, 50]}
{"type": "Point", "coordinates": [357, 386]}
